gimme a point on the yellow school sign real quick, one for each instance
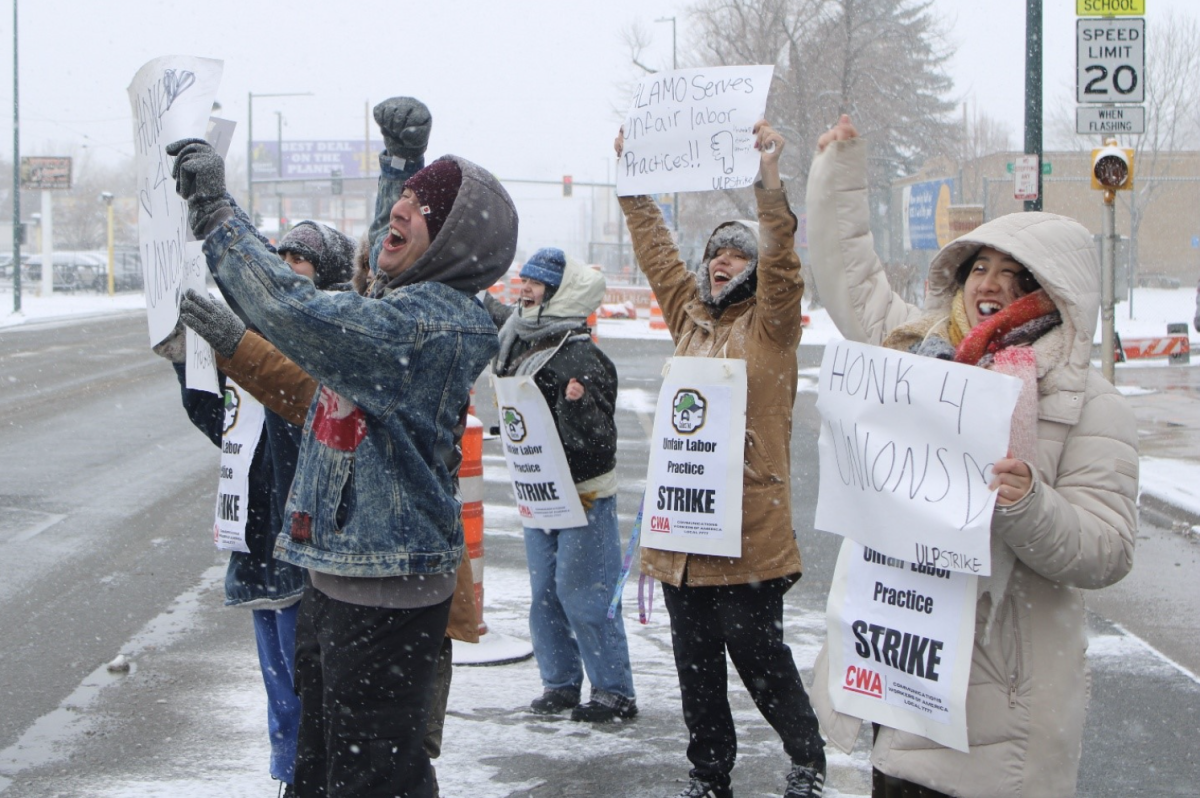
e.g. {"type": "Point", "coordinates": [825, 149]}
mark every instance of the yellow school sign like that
{"type": "Point", "coordinates": [1110, 8]}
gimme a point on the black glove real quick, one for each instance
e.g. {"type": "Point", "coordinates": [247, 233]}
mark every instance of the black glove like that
{"type": "Point", "coordinates": [213, 322]}
{"type": "Point", "coordinates": [1196, 321]}
{"type": "Point", "coordinates": [405, 123]}
{"type": "Point", "coordinates": [200, 179]}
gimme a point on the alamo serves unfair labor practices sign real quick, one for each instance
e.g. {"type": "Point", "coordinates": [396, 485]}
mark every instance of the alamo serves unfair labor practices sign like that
{"type": "Point", "coordinates": [694, 483]}
{"type": "Point", "coordinates": [692, 130]}
{"type": "Point", "coordinates": [537, 465]}
{"type": "Point", "coordinates": [906, 450]}
{"type": "Point", "coordinates": [900, 637]}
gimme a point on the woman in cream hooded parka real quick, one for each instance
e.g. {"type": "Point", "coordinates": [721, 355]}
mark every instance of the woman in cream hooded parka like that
{"type": "Point", "coordinates": [1073, 529]}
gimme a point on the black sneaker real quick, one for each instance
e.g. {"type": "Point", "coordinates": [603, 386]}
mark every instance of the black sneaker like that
{"type": "Point", "coordinates": [595, 712]}
{"type": "Point", "coordinates": [805, 782]}
{"type": "Point", "coordinates": [700, 788]}
{"type": "Point", "coordinates": [553, 702]}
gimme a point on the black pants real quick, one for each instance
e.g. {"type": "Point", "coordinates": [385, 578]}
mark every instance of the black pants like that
{"type": "Point", "coordinates": [746, 621]}
{"type": "Point", "coordinates": [364, 676]}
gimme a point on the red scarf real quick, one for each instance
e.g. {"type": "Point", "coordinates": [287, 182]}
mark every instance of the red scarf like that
{"type": "Point", "coordinates": [986, 336]}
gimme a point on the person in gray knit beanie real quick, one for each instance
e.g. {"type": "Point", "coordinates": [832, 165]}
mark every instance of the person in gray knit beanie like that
{"type": "Point", "coordinates": [328, 253]}
{"type": "Point", "coordinates": [729, 272]}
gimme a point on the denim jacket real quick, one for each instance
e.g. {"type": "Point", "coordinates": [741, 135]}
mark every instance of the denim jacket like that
{"type": "Point", "coordinates": [374, 493]}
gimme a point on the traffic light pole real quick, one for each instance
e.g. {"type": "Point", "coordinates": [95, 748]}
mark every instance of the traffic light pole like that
{"type": "Point", "coordinates": [1107, 288]}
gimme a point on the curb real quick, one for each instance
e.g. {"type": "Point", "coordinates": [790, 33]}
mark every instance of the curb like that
{"type": "Point", "coordinates": [1168, 516]}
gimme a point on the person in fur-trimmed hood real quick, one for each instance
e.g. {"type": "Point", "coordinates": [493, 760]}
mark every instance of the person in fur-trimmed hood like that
{"type": "Point", "coordinates": [1020, 295]}
{"type": "Point", "coordinates": [743, 303]}
{"type": "Point", "coordinates": [572, 572]}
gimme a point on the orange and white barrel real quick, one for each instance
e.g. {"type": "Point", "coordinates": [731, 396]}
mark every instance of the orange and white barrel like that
{"type": "Point", "coordinates": [470, 486]}
{"type": "Point", "coordinates": [656, 317]}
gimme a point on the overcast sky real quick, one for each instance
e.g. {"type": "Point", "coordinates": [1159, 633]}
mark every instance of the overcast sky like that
{"type": "Point", "coordinates": [528, 88]}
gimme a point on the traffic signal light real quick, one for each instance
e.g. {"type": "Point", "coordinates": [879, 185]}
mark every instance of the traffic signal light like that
{"type": "Point", "coordinates": [1112, 167]}
{"type": "Point", "coordinates": [336, 181]}
{"type": "Point", "coordinates": [567, 185]}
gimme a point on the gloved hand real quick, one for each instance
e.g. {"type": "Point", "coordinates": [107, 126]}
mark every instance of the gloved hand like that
{"type": "Point", "coordinates": [200, 179]}
{"type": "Point", "coordinates": [405, 123]}
{"type": "Point", "coordinates": [1196, 320]}
{"type": "Point", "coordinates": [174, 346]}
{"type": "Point", "coordinates": [212, 321]}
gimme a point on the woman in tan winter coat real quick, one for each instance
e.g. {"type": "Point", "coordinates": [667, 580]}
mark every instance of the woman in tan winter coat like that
{"type": "Point", "coordinates": [744, 303]}
{"type": "Point", "coordinates": [1021, 288]}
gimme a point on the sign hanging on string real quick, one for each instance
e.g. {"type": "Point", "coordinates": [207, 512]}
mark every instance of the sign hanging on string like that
{"type": "Point", "coordinates": [692, 130]}
{"type": "Point", "coordinates": [694, 482]}
{"type": "Point", "coordinates": [537, 464]}
{"type": "Point", "coordinates": [900, 638]}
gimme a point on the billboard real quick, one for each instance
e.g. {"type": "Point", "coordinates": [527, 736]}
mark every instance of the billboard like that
{"type": "Point", "coordinates": [314, 160]}
{"type": "Point", "coordinates": [926, 214]}
{"type": "Point", "coordinates": [44, 173]}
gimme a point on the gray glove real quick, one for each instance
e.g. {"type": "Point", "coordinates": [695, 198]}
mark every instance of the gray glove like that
{"type": "Point", "coordinates": [405, 123]}
{"type": "Point", "coordinates": [200, 179]}
{"type": "Point", "coordinates": [1196, 321]}
{"type": "Point", "coordinates": [213, 322]}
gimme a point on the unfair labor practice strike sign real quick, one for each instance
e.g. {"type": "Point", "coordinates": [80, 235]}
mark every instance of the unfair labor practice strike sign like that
{"type": "Point", "coordinates": [244, 418]}
{"type": "Point", "coordinates": [537, 465]}
{"type": "Point", "coordinates": [906, 451]}
{"type": "Point", "coordinates": [900, 637]}
{"type": "Point", "coordinates": [691, 130]}
{"type": "Point", "coordinates": [694, 483]}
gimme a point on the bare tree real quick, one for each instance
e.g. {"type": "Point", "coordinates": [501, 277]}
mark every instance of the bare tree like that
{"type": "Point", "coordinates": [882, 61]}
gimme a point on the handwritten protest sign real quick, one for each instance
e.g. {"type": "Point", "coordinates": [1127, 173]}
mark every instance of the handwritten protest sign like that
{"type": "Point", "coordinates": [906, 451]}
{"type": "Point", "coordinates": [900, 638]}
{"type": "Point", "coordinates": [690, 130]}
{"type": "Point", "coordinates": [172, 97]}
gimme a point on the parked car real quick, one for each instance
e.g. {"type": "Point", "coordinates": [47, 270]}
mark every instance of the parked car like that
{"type": "Point", "coordinates": [73, 271]}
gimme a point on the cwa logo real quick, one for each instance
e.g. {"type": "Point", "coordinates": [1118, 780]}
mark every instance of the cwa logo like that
{"type": "Point", "coordinates": [863, 680]}
{"type": "Point", "coordinates": [660, 523]}
{"type": "Point", "coordinates": [524, 511]}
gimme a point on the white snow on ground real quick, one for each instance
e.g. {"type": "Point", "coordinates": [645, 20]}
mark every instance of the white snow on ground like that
{"type": "Point", "coordinates": [1176, 482]}
{"type": "Point", "coordinates": [486, 704]}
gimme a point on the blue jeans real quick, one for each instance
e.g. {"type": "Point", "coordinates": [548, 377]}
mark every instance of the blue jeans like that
{"type": "Point", "coordinates": [572, 575]}
{"type": "Point", "coordinates": [275, 636]}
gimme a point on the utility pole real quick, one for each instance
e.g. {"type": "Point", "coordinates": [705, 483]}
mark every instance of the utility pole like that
{"type": "Point", "coordinates": [674, 65]}
{"type": "Point", "coordinates": [16, 190]}
{"type": "Point", "coordinates": [250, 142]}
{"type": "Point", "coordinates": [1033, 92]}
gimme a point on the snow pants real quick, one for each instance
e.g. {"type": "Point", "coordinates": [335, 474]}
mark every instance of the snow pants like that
{"type": "Point", "coordinates": [747, 621]}
{"type": "Point", "coordinates": [365, 675]}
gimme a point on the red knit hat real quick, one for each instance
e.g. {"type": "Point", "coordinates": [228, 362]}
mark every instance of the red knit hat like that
{"type": "Point", "coordinates": [436, 186]}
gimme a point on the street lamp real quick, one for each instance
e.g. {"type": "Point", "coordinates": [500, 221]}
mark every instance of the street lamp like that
{"type": "Point", "coordinates": [250, 143]}
{"type": "Point", "coordinates": [674, 65]}
{"type": "Point", "coordinates": [107, 198]}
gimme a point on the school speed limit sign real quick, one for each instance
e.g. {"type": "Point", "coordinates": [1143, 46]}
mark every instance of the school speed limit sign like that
{"type": "Point", "coordinates": [1111, 60]}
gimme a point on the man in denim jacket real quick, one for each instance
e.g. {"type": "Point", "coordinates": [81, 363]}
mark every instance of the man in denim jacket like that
{"type": "Point", "coordinates": [372, 512]}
